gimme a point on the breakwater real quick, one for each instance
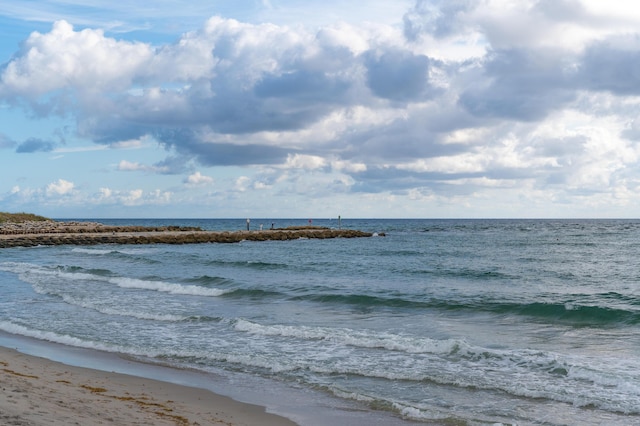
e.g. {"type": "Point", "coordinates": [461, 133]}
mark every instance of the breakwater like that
{"type": "Point", "coordinates": [29, 234]}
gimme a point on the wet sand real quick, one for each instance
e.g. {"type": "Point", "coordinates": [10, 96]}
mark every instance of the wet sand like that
{"type": "Point", "coordinates": [35, 391]}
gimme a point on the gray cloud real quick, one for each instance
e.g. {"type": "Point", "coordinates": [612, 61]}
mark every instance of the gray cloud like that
{"type": "Point", "coordinates": [190, 144]}
{"type": "Point", "coordinates": [562, 10]}
{"type": "Point", "coordinates": [174, 164]}
{"type": "Point", "coordinates": [437, 18]}
{"type": "Point", "coordinates": [35, 145]}
{"type": "Point", "coordinates": [302, 86]}
{"type": "Point", "coordinates": [398, 75]}
{"type": "Point", "coordinates": [225, 154]}
{"type": "Point", "coordinates": [632, 132]}
{"type": "Point", "coordinates": [612, 65]}
{"type": "Point", "coordinates": [242, 94]}
{"type": "Point", "coordinates": [6, 142]}
{"type": "Point", "coordinates": [399, 181]}
{"type": "Point", "coordinates": [400, 141]}
{"type": "Point", "coordinates": [520, 84]}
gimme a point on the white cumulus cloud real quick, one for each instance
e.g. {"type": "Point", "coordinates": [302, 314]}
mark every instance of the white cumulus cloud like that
{"type": "Point", "coordinates": [198, 178]}
{"type": "Point", "coordinates": [59, 187]}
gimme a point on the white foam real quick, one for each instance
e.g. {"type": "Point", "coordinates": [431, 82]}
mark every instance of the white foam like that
{"type": "Point", "coordinates": [96, 251]}
{"type": "Point", "coordinates": [112, 311]}
{"type": "Point", "coordinates": [56, 338]}
{"type": "Point", "coordinates": [92, 251]}
{"type": "Point", "coordinates": [363, 339]}
{"type": "Point", "coordinates": [166, 287]}
{"type": "Point", "coordinates": [29, 273]}
{"type": "Point", "coordinates": [414, 413]}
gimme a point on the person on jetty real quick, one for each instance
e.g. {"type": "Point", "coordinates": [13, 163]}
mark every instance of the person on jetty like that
{"type": "Point", "coordinates": [248, 224]}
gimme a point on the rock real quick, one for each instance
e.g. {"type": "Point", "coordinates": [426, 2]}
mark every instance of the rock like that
{"type": "Point", "coordinates": [28, 234]}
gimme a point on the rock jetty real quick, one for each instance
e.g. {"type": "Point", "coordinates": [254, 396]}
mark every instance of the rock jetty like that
{"type": "Point", "coordinates": [43, 233]}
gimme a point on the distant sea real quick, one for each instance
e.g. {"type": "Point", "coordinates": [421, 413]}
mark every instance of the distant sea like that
{"type": "Point", "coordinates": [454, 322]}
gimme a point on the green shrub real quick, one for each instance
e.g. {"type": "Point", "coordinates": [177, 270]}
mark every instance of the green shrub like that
{"type": "Point", "coordinates": [21, 217]}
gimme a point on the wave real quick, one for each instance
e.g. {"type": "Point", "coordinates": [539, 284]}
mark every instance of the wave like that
{"type": "Point", "coordinates": [252, 293]}
{"type": "Point", "coordinates": [581, 381]}
{"type": "Point", "coordinates": [350, 337]}
{"type": "Point", "coordinates": [102, 252]}
{"type": "Point", "coordinates": [34, 274]}
{"type": "Point", "coordinates": [261, 266]}
{"type": "Point", "coordinates": [462, 273]}
{"type": "Point", "coordinates": [571, 312]}
{"type": "Point", "coordinates": [63, 339]}
{"type": "Point", "coordinates": [110, 310]}
{"type": "Point", "coordinates": [90, 271]}
{"type": "Point", "coordinates": [574, 313]}
{"type": "Point", "coordinates": [166, 287]}
{"type": "Point", "coordinates": [207, 280]}
{"type": "Point", "coordinates": [598, 310]}
{"type": "Point", "coordinates": [131, 255]}
{"type": "Point", "coordinates": [96, 252]}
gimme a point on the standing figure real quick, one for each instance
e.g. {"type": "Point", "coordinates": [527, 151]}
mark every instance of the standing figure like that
{"type": "Point", "coordinates": [248, 223]}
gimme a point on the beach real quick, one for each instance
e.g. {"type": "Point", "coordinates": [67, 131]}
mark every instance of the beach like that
{"type": "Point", "coordinates": [474, 322]}
{"type": "Point", "coordinates": [39, 391]}
{"type": "Point", "coordinates": [36, 391]}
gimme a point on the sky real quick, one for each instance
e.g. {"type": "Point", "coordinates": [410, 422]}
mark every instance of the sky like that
{"type": "Point", "coordinates": [314, 109]}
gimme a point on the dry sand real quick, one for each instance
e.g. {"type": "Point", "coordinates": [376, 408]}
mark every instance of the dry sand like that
{"type": "Point", "coordinates": [35, 391]}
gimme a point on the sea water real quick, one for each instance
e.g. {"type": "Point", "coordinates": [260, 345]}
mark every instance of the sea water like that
{"type": "Point", "coordinates": [464, 322]}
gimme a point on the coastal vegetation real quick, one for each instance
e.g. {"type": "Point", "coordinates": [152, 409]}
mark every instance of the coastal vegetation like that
{"type": "Point", "coordinates": [21, 217]}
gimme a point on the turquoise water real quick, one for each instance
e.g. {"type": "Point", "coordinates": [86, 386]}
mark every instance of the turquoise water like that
{"type": "Point", "coordinates": [438, 322]}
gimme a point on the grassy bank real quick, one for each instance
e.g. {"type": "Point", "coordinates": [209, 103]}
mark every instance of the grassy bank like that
{"type": "Point", "coordinates": [21, 217]}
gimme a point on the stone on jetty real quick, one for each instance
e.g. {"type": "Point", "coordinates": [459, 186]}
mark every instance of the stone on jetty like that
{"type": "Point", "coordinates": [29, 234]}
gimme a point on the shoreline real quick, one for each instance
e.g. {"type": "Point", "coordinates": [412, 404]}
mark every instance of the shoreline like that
{"type": "Point", "coordinates": [245, 403]}
{"type": "Point", "coordinates": [38, 391]}
{"type": "Point", "coordinates": [30, 234]}
{"type": "Point", "coordinates": [290, 403]}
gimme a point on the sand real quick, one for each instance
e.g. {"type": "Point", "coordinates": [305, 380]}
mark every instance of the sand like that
{"type": "Point", "coordinates": [35, 391]}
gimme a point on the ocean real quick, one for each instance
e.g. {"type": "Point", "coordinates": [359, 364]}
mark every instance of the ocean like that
{"type": "Point", "coordinates": [452, 322]}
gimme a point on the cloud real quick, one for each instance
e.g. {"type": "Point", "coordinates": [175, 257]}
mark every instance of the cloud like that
{"type": "Point", "coordinates": [35, 145]}
{"type": "Point", "coordinates": [63, 59]}
{"type": "Point", "coordinates": [466, 96]}
{"type": "Point", "coordinates": [212, 153]}
{"type": "Point", "coordinates": [6, 142]}
{"type": "Point", "coordinates": [398, 75]}
{"type": "Point", "coordinates": [632, 130]}
{"type": "Point", "coordinates": [562, 10]}
{"type": "Point", "coordinates": [229, 78]}
{"type": "Point", "coordinates": [308, 162]}
{"type": "Point", "coordinates": [613, 65]}
{"type": "Point", "coordinates": [242, 184]}
{"type": "Point", "coordinates": [60, 187]}
{"type": "Point", "coordinates": [303, 85]}
{"type": "Point", "coordinates": [440, 19]}
{"type": "Point", "coordinates": [127, 166]}
{"type": "Point", "coordinates": [521, 84]}
{"type": "Point", "coordinates": [198, 179]}
{"type": "Point", "coordinates": [132, 197]}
